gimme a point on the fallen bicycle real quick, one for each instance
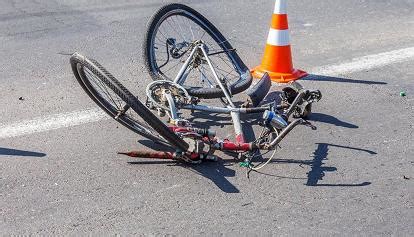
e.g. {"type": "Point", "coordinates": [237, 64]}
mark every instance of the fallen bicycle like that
{"type": "Point", "coordinates": [191, 61]}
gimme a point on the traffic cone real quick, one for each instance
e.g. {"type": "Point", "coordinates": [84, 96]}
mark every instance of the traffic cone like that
{"type": "Point", "coordinates": [277, 59]}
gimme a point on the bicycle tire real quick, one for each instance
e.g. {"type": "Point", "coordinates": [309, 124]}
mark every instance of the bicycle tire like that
{"type": "Point", "coordinates": [236, 87]}
{"type": "Point", "coordinates": [78, 62]}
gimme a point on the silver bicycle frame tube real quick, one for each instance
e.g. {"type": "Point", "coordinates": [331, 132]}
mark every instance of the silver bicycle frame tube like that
{"type": "Point", "coordinates": [228, 97]}
{"type": "Point", "coordinates": [214, 109]}
{"type": "Point", "coordinates": [184, 77]}
{"type": "Point", "coordinates": [184, 67]}
{"type": "Point", "coordinates": [173, 109]}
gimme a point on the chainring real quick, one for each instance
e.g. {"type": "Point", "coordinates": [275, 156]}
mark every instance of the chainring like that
{"type": "Point", "coordinates": [156, 93]}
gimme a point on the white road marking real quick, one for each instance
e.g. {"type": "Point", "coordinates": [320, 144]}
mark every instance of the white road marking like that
{"type": "Point", "coordinates": [366, 62]}
{"type": "Point", "coordinates": [62, 120]}
{"type": "Point", "coordinates": [51, 122]}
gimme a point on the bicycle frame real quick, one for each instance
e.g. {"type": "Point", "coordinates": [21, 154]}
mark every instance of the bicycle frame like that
{"type": "Point", "coordinates": [240, 143]}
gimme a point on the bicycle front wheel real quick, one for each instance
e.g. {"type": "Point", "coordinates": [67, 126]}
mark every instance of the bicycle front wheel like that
{"type": "Point", "coordinates": [172, 33]}
{"type": "Point", "coordinates": [109, 94]}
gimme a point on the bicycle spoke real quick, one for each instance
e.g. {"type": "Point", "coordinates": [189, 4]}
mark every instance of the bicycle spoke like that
{"type": "Point", "coordinates": [178, 63]}
{"type": "Point", "coordinates": [168, 21]}
{"type": "Point", "coordinates": [190, 27]}
{"type": "Point", "coordinates": [179, 27]}
{"type": "Point", "coordinates": [101, 85]}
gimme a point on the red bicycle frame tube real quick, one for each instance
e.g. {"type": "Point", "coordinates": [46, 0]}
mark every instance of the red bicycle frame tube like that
{"type": "Point", "coordinates": [231, 146]}
{"type": "Point", "coordinates": [226, 145]}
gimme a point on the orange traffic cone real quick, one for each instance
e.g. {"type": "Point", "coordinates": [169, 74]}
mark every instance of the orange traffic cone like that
{"type": "Point", "coordinates": [277, 59]}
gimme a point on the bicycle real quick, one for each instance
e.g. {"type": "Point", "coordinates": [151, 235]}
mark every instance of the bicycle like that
{"type": "Point", "coordinates": [177, 61]}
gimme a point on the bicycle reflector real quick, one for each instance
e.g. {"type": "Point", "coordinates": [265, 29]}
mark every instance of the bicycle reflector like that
{"type": "Point", "coordinates": [274, 119]}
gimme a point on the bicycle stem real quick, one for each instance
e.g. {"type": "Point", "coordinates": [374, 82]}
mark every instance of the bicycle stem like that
{"type": "Point", "coordinates": [295, 102]}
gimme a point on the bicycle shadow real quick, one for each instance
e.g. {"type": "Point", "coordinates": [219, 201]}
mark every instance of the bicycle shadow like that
{"type": "Point", "coordinates": [329, 119]}
{"type": "Point", "coordinates": [318, 169]}
{"type": "Point", "coordinates": [15, 152]}
{"type": "Point", "coordinates": [217, 172]}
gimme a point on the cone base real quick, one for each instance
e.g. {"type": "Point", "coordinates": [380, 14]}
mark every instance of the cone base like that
{"type": "Point", "coordinates": [279, 77]}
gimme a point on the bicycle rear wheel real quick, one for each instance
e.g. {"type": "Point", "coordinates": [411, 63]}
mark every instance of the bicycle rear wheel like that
{"type": "Point", "coordinates": [110, 95]}
{"type": "Point", "coordinates": [172, 33]}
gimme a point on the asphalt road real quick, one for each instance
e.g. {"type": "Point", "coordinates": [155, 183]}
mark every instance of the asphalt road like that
{"type": "Point", "coordinates": [353, 176]}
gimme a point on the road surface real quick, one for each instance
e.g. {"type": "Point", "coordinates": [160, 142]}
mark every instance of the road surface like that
{"type": "Point", "coordinates": [60, 174]}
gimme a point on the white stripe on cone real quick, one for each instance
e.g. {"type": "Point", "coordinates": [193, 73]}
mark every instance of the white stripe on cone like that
{"type": "Point", "coordinates": [278, 37]}
{"type": "Point", "coordinates": [280, 7]}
